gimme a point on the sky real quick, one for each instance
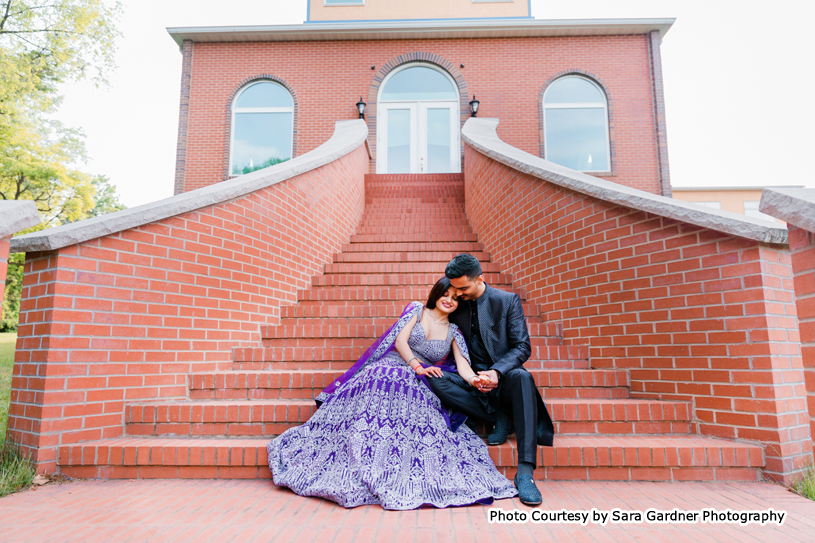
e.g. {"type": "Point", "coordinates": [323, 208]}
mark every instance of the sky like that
{"type": "Point", "coordinates": [738, 87]}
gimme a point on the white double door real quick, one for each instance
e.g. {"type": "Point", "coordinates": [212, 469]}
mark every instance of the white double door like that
{"type": "Point", "coordinates": [418, 137]}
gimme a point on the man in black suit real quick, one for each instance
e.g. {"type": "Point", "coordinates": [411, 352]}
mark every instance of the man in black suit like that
{"type": "Point", "coordinates": [493, 324]}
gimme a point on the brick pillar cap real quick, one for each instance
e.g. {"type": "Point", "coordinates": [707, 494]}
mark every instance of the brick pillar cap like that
{"type": "Point", "coordinates": [17, 215]}
{"type": "Point", "coordinates": [794, 206]}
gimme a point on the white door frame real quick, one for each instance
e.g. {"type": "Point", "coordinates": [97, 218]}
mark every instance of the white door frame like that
{"type": "Point", "coordinates": [455, 148]}
{"type": "Point", "coordinates": [418, 125]}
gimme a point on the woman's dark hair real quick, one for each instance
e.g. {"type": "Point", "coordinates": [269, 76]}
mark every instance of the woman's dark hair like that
{"type": "Point", "coordinates": [462, 265]}
{"type": "Point", "coordinates": [437, 292]}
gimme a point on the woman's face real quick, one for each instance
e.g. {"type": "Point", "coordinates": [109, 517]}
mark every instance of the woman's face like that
{"type": "Point", "coordinates": [448, 302]}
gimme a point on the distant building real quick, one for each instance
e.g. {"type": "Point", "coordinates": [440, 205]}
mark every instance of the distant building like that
{"type": "Point", "coordinates": [741, 200]}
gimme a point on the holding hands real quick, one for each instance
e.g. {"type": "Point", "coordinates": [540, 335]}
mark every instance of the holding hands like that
{"type": "Point", "coordinates": [485, 380]}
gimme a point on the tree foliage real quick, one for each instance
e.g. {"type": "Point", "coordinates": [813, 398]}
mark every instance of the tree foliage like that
{"type": "Point", "coordinates": [44, 43]}
{"type": "Point", "coordinates": [47, 42]}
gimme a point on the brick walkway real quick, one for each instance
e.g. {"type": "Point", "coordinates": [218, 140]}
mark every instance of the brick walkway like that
{"type": "Point", "coordinates": [256, 510]}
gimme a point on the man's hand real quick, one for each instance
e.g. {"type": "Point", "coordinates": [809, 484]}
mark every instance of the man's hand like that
{"type": "Point", "coordinates": [492, 375]}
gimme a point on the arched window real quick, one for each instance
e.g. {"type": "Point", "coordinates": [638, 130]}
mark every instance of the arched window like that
{"type": "Point", "coordinates": [575, 118]}
{"type": "Point", "coordinates": [262, 127]}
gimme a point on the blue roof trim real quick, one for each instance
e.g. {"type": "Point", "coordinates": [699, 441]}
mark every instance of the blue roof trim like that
{"type": "Point", "coordinates": [408, 20]}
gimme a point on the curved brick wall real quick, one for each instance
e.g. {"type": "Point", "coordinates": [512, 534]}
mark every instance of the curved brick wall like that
{"type": "Point", "coordinates": [694, 314]}
{"type": "Point", "coordinates": [126, 317]}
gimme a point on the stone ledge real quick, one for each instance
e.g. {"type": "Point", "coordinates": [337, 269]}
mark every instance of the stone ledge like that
{"type": "Point", "coordinates": [482, 135]}
{"type": "Point", "coordinates": [17, 215]}
{"type": "Point", "coordinates": [348, 136]}
{"type": "Point", "coordinates": [794, 206]}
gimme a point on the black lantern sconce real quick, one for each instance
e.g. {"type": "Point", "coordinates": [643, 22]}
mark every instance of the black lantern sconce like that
{"type": "Point", "coordinates": [361, 108]}
{"type": "Point", "coordinates": [474, 107]}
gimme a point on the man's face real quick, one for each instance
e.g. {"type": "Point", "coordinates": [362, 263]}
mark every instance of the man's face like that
{"type": "Point", "coordinates": [468, 289]}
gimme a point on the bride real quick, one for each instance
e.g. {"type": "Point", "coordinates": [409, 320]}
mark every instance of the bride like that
{"type": "Point", "coordinates": [380, 435]}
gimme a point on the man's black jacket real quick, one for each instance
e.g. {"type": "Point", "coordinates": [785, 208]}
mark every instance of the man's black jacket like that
{"type": "Point", "coordinates": [503, 328]}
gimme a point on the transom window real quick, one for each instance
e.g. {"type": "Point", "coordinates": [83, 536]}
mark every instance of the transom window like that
{"type": "Point", "coordinates": [262, 127]}
{"type": "Point", "coordinates": [418, 83]}
{"type": "Point", "coordinates": [575, 117]}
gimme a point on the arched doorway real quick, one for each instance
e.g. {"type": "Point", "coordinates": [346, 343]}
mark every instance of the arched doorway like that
{"type": "Point", "coordinates": [418, 121]}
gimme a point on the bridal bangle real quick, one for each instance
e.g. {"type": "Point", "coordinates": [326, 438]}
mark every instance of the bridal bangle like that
{"type": "Point", "coordinates": [411, 360]}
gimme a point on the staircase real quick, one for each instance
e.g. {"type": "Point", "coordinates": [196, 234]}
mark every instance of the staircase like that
{"type": "Point", "coordinates": [413, 225]}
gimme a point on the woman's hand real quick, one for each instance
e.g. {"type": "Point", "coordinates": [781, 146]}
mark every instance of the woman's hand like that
{"type": "Point", "coordinates": [432, 371]}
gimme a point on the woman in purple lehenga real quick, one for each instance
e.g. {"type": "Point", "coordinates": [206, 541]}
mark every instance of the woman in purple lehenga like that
{"type": "Point", "coordinates": [380, 435]}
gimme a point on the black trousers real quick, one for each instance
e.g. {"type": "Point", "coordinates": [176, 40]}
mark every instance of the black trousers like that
{"type": "Point", "coordinates": [516, 395]}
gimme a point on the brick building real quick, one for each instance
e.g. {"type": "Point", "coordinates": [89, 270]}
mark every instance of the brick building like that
{"type": "Point", "coordinates": [172, 339]}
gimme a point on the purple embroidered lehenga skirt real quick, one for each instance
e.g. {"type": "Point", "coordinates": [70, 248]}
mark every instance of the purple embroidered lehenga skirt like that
{"type": "Point", "coordinates": [382, 437]}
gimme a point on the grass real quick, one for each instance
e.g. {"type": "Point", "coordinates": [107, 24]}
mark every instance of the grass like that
{"type": "Point", "coordinates": [16, 471]}
{"type": "Point", "coordinates": [806, 485]}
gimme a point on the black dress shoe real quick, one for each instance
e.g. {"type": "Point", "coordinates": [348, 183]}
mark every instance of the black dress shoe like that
{"type": "Point", "coordinates": [528, 493]}
{"type": "Point", "coordinates": [503, 426]}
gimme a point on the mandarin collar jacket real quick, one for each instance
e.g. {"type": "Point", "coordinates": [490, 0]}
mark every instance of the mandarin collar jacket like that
{"type": "Point", "coordinates": [503, 328]}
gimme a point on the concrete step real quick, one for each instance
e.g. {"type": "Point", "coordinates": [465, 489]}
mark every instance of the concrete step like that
{"type": "Point", "coordinates": [390, 293]}
{"type": "Point", "coordinates": [267, 417]}
{"type": "Point", "coordinates": [642, 458]}
{"type": "Point", "coordinates": [427, 280]}
{"type": "Point", "coordinates": [405, 257]}
{"type": "Point", "coordinates": [491, 270]}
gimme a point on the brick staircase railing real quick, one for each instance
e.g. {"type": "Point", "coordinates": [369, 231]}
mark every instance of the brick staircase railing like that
{"type": "Point", "coordinates": [697, 304]}
{"type": "Point", "coordinates": [412, 226]}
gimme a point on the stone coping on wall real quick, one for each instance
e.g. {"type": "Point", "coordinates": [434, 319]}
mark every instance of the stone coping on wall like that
{"type": "Point", "coordinates": [482, 135]}
{"type": "Point", "coordinates": [794, 206]}
{"type": "Point", "coordinates": [16, 215]}
{"type": "Point", "coordinates": [348, 136]}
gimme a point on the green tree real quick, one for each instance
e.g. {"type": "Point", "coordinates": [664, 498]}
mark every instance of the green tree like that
{"type": "Point", "coordinates": [105, 197]}
{"type": "Point", "coordinates": [44, 43]}
{"type": "Point", "coordinates": [47, 42]}
{"type": "Point", "coordinates": [36, 163]}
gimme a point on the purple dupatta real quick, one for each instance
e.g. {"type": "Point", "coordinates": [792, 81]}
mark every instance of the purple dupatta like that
{"type": "Point", "coordinates": [385, 344]}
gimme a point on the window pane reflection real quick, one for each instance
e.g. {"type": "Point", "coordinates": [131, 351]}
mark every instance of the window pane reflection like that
{"type": "Point", "coordinates": [570, 90]}
{"type": "Point", "coordinates": [576, 138]}
{"type": "Point", "coordinates": [438, 140]}
{"type": "Point", "coordinates": [260, 140]}
{"type": "Point", "coordinates": [419, 83]}
{"type": "Point", "coordinates": [398, 141]}
{"type": "Point", "coordinates": [265, 94]}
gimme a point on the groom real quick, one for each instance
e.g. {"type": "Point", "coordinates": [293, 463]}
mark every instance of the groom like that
{"type": "Point", "coordinates": [492, 322]}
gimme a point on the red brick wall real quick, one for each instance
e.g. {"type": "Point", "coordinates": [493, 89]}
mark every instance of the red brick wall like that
{"type": "Point", "coordinates": [506, 74]}
{"type": "Point", "coordinates": [694, 314]}
{"type": "Point", "coordinates": [126, 317]}
{"type": "Point", "coordinates": [802, 247]}
{"type": "Point", "coordinates": [4, 248]}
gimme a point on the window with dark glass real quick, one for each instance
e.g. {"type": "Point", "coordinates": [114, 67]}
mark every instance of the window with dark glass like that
{"type": "Point", "coordinates": [262, 127]}
{"type": "Point", "coordinates": [575, 117]}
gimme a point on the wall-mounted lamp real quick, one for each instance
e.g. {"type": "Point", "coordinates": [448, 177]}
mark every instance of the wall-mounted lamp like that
{"type": "Point", "coordinates": [361, 107]}
{"type": "Point", "coordinates": [474, 107]}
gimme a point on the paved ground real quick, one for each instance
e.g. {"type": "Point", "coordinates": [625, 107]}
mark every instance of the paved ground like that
{"type": "Point", "coordinates": [256, 510]}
